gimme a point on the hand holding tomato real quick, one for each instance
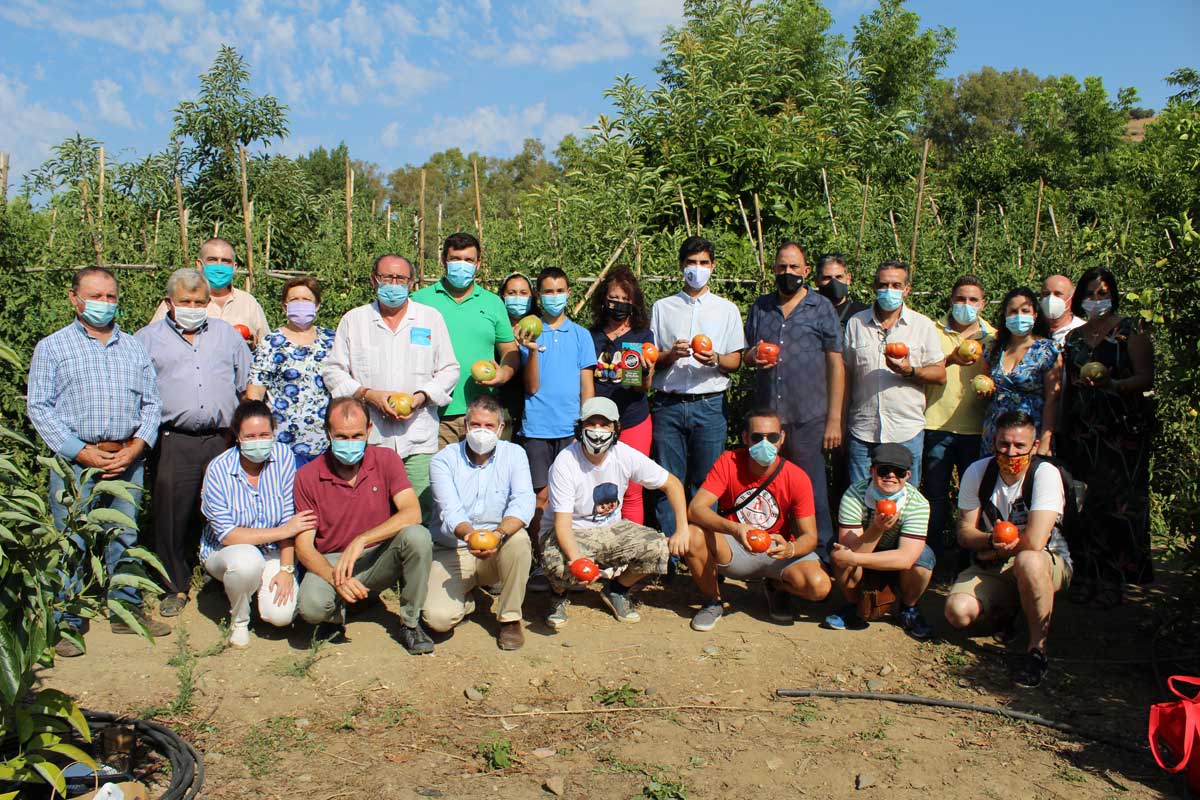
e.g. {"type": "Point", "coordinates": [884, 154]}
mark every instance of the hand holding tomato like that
{"type": "Point", "coordinates": [766, 354]}
{"type": "Point", "coordinates": [756, 540]}
{"type": "Point", "coordinates": [584, 570]}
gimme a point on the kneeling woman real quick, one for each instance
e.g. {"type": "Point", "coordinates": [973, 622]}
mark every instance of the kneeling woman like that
{"type": "Point", "coordinates": [247, 543]}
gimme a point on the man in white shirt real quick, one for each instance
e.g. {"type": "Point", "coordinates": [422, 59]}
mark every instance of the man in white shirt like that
{"type": "Point", "coordinates": [392, 346]}
{"type": "Point", "coordinates": [1012, 570]}
{"type": "Point", "coordinates": [887, 391]}
{"type": "Point", "coordinates": [692, 373]}
{"type": "Point", "coordinates": [218, 262]}
{"type": "Point", "coordinates": [1057, 291]}
{"type": "Point", "coordinates": [584, 532]}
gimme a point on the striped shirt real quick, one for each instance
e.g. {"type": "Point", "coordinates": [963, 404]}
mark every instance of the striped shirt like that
{"type": "Point", "coordinates": [228, 500]}
{"type": "Point", "coordinates": [857, 510]}
{"type": "Point", "coordinates": [83, 392]}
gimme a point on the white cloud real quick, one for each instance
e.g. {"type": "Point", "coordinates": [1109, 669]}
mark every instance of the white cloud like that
{"type": "Point", "coordinates": [490, 130]}
{"type": "Point", "coordinates": [390, 135]}
{"type": "Point", "coordinates": [28, 128]}
{"type": "Point", "coordinates": [109, 105]}
{"type": "Point", "coordinates": [187, 7]}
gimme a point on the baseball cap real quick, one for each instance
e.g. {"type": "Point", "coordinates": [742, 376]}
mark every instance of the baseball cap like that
{"type": "Point", "coordinates": [600, 407]}
{"type": "Point", "coordinates": [893, 455]}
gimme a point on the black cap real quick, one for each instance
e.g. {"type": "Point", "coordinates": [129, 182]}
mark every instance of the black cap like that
{"type": "Point", "coordinates": [893, 455]}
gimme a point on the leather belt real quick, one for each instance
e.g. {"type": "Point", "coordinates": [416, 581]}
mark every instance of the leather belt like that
{"type": "Point", "coordinates": [113, 447]}
{"type": "Point", "coordinates": [687, 398]}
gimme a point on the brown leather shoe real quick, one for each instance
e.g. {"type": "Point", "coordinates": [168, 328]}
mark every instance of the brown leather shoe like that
{"type": "Point", "coordinates": [512, 636]}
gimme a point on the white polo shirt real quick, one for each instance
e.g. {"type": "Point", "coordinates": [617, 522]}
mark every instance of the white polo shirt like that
{"type": "Point", "coordinates": [681, 316]}
{"type": "Point", "coordinates": [884, 407]}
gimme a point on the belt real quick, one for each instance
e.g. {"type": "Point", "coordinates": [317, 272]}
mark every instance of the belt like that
{"type": "Point", "coordinates": [687, 398]}
{"type": "Point", "coordinates": [199, 432]}
{"type": "Point", "coordinates": [113, 447]}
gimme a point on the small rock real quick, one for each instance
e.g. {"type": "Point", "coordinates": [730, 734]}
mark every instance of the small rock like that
{"type": "Point", "coordinates": [544, 752]}
{"type": "Point", "coordinates": [304, 778]}
{"type": "Point", "coordinates": [430, 793]}
{"type": "Point", "coordinates": [736, 725]}
{"type": "Point", "coordinates": [519, 709]}
{"type": "Point", "coordinates": [875, 685]}
{"type": "Point", "coordinates": [556, 785]}
{"type": "Point", "coordinates": [918, 784]}
{"type": "Point", "coordinates": [213, 758]}
{"type": "Point", "coordinates": [637, 734]}
{"type": "Point", "coordinates": [863, 781]}
{"type": "Point", "coordinates": [567, 644]}
{"type": "Point", "coordinates": [774, 763]}
{"type": "Point", "coordinates": [839, 678]}
{"type": "Point", "coordinates": [964, 683]}
{"type": "Point", "coordinates": [886, 670]}
{"type": "Point", "coordinates": [575, 704]}
{"type": "Point", "coordinates": [536, 682]}
{"type": "Point", "coordinates": [711, 650]}
{"type": "Point", "coordinates": [473, 694]}
{"type": "Point", "coordinates": [303, 722]}
{"type": "Point", "coordinates": [650, 691]}
{"type": "Point", "coordinates": [858, 672]}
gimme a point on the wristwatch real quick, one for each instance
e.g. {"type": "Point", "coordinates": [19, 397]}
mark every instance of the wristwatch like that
{"type": "Point", "coordinates": [290, 569]}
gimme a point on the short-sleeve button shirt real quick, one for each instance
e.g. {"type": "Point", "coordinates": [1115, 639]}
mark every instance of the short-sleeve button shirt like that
{"type": "Point", "coordinates": [796, 387]}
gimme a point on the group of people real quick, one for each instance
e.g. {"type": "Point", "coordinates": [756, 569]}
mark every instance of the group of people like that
{"type": "Point", "coordinates": [446, 439]}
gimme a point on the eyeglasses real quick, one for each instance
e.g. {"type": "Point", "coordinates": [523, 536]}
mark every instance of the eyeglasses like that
{"type": "Point", "coordinates": [395, 280]}
{"type": "Point", "coordinates": [888, 471]}
{"type": "Point", "coordinates": [773, 438]}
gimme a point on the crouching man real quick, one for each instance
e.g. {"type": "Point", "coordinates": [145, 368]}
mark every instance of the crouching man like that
{"type": "Point", "coordinates": [1011, 575]}
{"type": "Point", "coordinates": [755, 489]}
{"type": "Point", "coordinates": [882, 524]}
{"type": "Point", "coordinates": [584, 532]}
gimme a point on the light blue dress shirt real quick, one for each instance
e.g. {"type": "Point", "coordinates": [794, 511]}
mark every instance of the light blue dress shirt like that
{"type": "Point", "coordinates": [482, 495]}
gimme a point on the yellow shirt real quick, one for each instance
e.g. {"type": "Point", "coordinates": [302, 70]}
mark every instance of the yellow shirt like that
{"type": "Point", "coordinates": [954, 407]}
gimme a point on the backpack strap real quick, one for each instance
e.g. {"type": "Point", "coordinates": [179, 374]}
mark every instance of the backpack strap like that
{"type": "Point", "coordinates": [750, 498]}
{"type": "Point", "coordinates": [987, 485]}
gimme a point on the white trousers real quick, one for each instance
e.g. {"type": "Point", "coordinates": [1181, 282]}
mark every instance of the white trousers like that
{"type": "Point", "coordinates": [244, 570]}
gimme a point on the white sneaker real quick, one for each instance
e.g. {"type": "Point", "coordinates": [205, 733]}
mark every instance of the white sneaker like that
{"type": "Point", "coordinates": [240, 636]}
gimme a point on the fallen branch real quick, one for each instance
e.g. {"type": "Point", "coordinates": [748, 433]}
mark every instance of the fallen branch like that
{"type": "Point", "coordinates": [436, 753]}
{"type": "Point", "coordinates": [619, 710]}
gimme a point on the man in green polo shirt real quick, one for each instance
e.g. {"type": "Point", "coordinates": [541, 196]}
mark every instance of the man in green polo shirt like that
{"type": "Point", "coordinates": [479, 330]}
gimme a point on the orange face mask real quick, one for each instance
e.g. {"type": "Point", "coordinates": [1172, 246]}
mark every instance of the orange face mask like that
{"type": "Point", "coordinates": [1012, 465]}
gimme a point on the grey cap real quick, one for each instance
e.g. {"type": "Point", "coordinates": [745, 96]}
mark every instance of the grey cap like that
{"type": "Point", "coordinates": [600, 407]}
{"type": "Point", "coordinates": [893, 455]}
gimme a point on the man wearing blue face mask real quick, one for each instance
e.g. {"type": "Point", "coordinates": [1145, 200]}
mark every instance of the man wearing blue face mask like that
{"type": "Point", "coordinates": [226, 302]}
{"type": "Point", "coordinates": [479, 330]}
{"type": "Point", "coordinates": [94, 401]}
{"type": "Point", "coordinates": [892, 353]}
{"type": "Point", "coordinates": [954, 410]}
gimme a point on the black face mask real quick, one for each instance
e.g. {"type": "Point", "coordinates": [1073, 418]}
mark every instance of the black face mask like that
{"type": "Point", "coordinates": [835, 291]}
{"type": "Point", "coordinates": [788, 283]}
{"type": "Point", "coordinates": [618, 310]}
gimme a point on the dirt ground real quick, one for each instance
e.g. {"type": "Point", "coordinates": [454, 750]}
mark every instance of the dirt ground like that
{"type": "Point", "coordinates": [365, 719]}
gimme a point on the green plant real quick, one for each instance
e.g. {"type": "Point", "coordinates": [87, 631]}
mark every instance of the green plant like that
{"type": "Point", "coordinates": [624, 695]}
{"type": "Point", "coordinates": [301, 666]}
{"type": "Point", "coordinates": [261, 745]}
{"type": "Point", "coordinates": [806, 712]}
{"type": "Point", "coordinates": [496, 752]}
{"type": "Point", "coordinates": [661, 788]}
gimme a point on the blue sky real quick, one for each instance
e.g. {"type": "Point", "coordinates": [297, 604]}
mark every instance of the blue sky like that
{"type": "Point", "coordinates": [398, 81]}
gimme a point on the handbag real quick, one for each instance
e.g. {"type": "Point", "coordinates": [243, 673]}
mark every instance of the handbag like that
{"type": "Point", "coordinates": [1174, 731]}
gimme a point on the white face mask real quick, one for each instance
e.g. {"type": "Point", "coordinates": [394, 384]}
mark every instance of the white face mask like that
{"type": "Point", "coordinates": [697, 277]}
{"type": "Point", "coordinates": [598, 440]}
{"type": "Point", "coordinates": [482, 440]}
{"type": "Point", "coordinates": [190, 318]}
{"type": "Point", "coordinates": [1053, 306]}
{"type": "Point", "coordinates": [1096, 308]}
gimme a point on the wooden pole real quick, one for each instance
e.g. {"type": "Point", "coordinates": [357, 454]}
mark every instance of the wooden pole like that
{"type": "Point", "coordinates": [349, 219]}
{"type": "Point", "coordinates": [895, 233]}
{"type": "Point", "coordinates": [157, 220]}
{"type": "Point", "coordinates": [54, 225]}
{"type": "Point", "coordinates": [1037, 217]}
{"type": "Point", "coordinates": [246, 216]}
{"type": "Point", "coordinates": [87, 210]}
{"type": "Point", "coordinates": [637, 256]}
{"type": "Point", "coordinates": [750, 234]}
{"type": "Point", "coordinates": [862, 222]}
{"type": "Point", "coordinates": [599, 278]}
{"type": "Point", "coordinates": [1004, 222]}
{"type": "Point", "coordinates": [3, 179]}
{"type": "Point", "coordinates": [439, 223]}
{"type": "Point", "coordinates": [1053, 221]}
{"type": "Point", "coordinates": [975, 244]}
{"type": "Point", "coordinates": [683, 204]}
{"type": "Point", "coordinates": [267, 253]}
{"type": "Point", "coordinates": [699, 229]}
{"type": "Point", "coordinates": [912, 258]}
{"type": "Point", "coordinates": [520, 225]}
{"type": "Point", "coordinates": [183, 247]}
{"type": "Point", "coordinates": [185, 222]}
{"type": "Point", "coordinates": [421, 232]}
{"type": "Point", "coordinates": [1167, 233]}
{"type": "Point", "coordinates": [100, 205]}
{"type": "Point", "coordinates": [762, 255]}
{"type": "Point", "coordinates": [217, 225]}
{"type": "Point", "coordinates": [387, 227]}
{"type": "Point", "coordinates": [478, 203]}
{"type": "Point", "coordinates": [828, 202]}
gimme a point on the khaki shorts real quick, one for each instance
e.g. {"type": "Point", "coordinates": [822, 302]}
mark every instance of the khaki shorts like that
{"type": "Point", "coordinates": [623, 544]}
{"type": "Point", "coordinates": [995, 588]}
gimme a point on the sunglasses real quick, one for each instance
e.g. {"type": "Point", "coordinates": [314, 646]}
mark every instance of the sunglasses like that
{"type": "Point", "coordinates": [773, 438]}
{"type": "Point", "coordinates": [888, 471]}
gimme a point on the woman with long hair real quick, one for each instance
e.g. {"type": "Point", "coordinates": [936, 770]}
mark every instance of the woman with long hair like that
{"type": "Point", "coordinates": [520, 301]}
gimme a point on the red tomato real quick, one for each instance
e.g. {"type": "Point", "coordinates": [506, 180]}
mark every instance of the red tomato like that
{"type": "Point", "coordinates": [649, 353]}
{"type": "Point", "coordinates": [585, 570]}
{"type": "Point", "coordinates": [1005, 533]}
{"type": "Point", "coordinates": [885, 508]}
{"type": "Point", "coordinates": [759, 541]}
{"type": "Point", "coordinates": [244, 331]}
{"type": "Point", "coordinates": [896, 350]}
{"type": "Point", "coordinates": [701, 343]}
{"type": "Point", "coordinates": [768, 352]}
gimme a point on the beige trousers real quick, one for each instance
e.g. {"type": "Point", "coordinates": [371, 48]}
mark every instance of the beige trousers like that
{"type": "Point", "coordinates": [455, 573]}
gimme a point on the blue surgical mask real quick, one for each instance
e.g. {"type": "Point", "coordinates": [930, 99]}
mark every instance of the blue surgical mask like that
{"type": "Point", "coordinates": [516, 305]}
{"type": "Point", "coordinates": [391, 295]}
{"type": "Point", "coordinates": [98, 313]}
{"type": "Point", "coordinates": [256, 451]}
{"type": "Point", "coordinates": [554, 304]}
{"type": "Point", "coordinates": [348, 451]}
{"type": "Point", "coordinates": [1096, 308]}
{"type": "Point", "coordinates": [764, 453]}
{"type": "Point", "coordinates": [460, 273]}
{"type": "Point", "coordinates": [889, 299]}
{"type": "Point", "coordinates": [964, 313]}
{"type": "Point", "coordinates": [218, 275]}
{"type": "Point", "coordinates": [1020, 324]}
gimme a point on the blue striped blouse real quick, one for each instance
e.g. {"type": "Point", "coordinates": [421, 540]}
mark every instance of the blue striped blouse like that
{"type": "Point", "coordinates": [228, 500]}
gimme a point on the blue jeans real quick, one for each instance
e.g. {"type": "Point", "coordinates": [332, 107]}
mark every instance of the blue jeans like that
{"type": "Point", "coordinates": [689, 436]}
{"type": "Point", "coordinates": [802, 447]}
{"type": "Point", "coordinates": [114, 553]}
{"type": "Point", "coordinates": [860, 458]}
{"type": "Point", "coordinates": [944, 452]}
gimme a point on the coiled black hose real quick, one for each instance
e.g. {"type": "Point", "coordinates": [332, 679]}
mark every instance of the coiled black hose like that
{"type": "Point", "coordinates": [187, 765]}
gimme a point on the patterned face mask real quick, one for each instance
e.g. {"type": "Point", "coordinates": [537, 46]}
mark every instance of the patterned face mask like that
{"type": "Point", "coordinates": [1012, 465]}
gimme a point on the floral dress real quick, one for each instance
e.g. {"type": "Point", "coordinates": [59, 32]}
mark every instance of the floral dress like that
{"type": "Point", "coordinates": [1106, 444]}
{"type": "Point", "coordinates": [295, 392]}
{"type": "Point", "coordinates": [1023, 389]}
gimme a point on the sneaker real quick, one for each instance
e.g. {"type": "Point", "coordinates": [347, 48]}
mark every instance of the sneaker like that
{"type": "Point", "coordinates": [67, 649]}
{"type": "Point", "coordinates": [1033, 670]}
{"type": "Point", "coordinates": [779, 608]}
{"type": "Point", "coordinates": [620, 604]}
{"type": "Point", "coordinates": [155, 627]}
{"type": "Point", "coordinates": [707, 617]}
{"type": "Point", "coordinates": [330, 633]}
{"type": "Point", "coordinates": [847, 619]}
{"type": "Point", "coordinates": [511, 637]}
{"type": "Point", "coordinates": [538, 582]}
{"type": "Point", "coordinates": [914, 624]}
{"type": "Point", "coordinates": [415, 640]}
{"type": "Point", "coordinates": [558, 612]}
{"type": "Point", "coordinates": [494, 589]}
{"type": "Point", "coordinates": [172, 605]}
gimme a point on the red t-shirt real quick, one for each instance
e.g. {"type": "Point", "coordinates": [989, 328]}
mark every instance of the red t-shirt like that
{"type": "Point", "coordinates": [789, 497]}
{"type": "Point", "coordinates": [344, 511]}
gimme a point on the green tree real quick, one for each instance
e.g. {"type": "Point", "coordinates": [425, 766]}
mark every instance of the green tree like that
{"type": "Point", "coordinates": [977, 107]}
{"type": "Point", "coordinates": [900, 61]}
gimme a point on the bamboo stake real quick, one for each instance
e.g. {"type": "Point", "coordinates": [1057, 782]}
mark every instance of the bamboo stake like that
{"type": "Point", "coordinates": [182, 219]}
{"type": "Point", "coordinates": [478, 203]}
{"type": "Point", "coordinates": [217, 225]}
{"type": "Point", "coordinates": [373, 204]}
{"type": "Point", "coordinates": [699, 229]}
{"type": "Point", "coordinates": [439, 224]}
{"type": "Point", "coordinates": [762, 255]}
{"type": "Point", "coordinates": [1166, 233]}
{"type": "Point", "coordinates": [100, 204]}
{"type": "Point", "coordinates": [600, 278]}
{"type": "Point", "coordinates": [1054, 221]}
{"type": "Point", "coordinates": [54, 225]}
{"type": "Point", "coordinates": [895, 233]}
{"type": "Point", "coordinates": [3, 179]}
{"type": "Point", "coordinates": [862, 222]}
{"type": "Point", "coordinates": [520, 225]}
{"type": "Point", "coordinates": [1037, 217]}
{"type": "Point", "coordinates": [349, 219]}
{"type": "Point", "coordinates": [246, 216]}
{"type": "Point", "coordinates": [184, 223]}
{"type": "Point", "coordinates": [975, 244]}
{"type": "Point", "coordinates": [912, 258]}
{"type": "Point", "coordinates": [937, 216]}
{"type": "Point", "coordinates": [157, 220]}
{"type": "Point", "coordinates": [421, 232]}
{"type": "Point", "coordinates": [637, 256]}
{"type": "Point", "coordinates": [267, 254]}
{"type": "Point", "coordinates": [683, 204]}
{"type": "Point", "coordinates": [750, 236]}
{"type": "Point", "coordinates": [828, 202]}
{"type": "Point", "coordinates": [1004, 221]}
{"type": "Point", "coordinates": [387, 227]}
{"type": "Point", "coordinates": [87, 210]}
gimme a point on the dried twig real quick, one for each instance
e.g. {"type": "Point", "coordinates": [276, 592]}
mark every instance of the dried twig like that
{"type": "Point", "coordinates": [619, 710]}
{"type": "Point", "coordinates": [436, 752]}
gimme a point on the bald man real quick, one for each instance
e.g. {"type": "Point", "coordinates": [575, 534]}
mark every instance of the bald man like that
{"type": "Point", "coordinates": [1057, 291]}
{"type": "Point", "coordinates": [226, 302]}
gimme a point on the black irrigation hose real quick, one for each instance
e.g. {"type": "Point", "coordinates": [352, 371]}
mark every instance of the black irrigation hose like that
{"type": "Point", "coordinates": [187, 765]}
{"type": "Point", "coordinates": [999, 711]}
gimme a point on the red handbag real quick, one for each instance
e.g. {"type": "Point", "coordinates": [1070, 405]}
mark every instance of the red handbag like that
{"type": "Point", "coordinates": [1175, 731]}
